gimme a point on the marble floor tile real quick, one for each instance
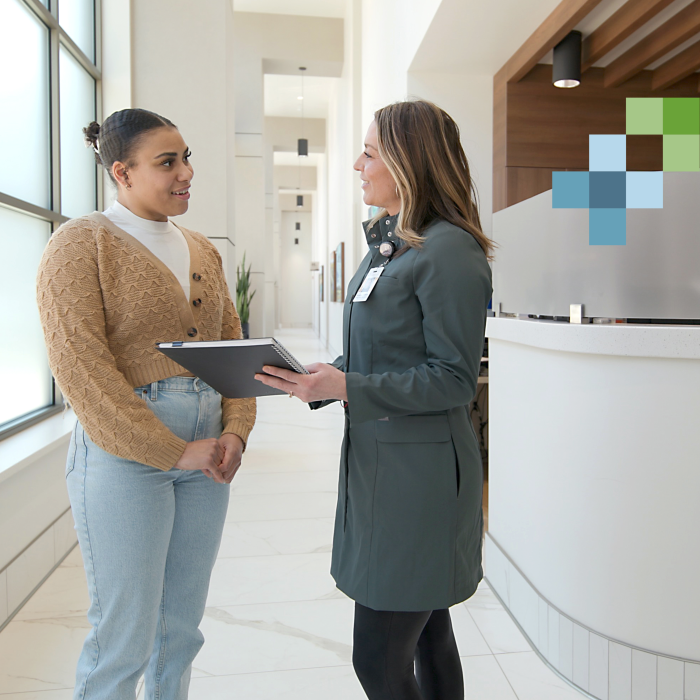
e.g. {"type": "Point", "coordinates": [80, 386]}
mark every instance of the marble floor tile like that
{"type": "Point", "coordinates": [40, 654]}
{"type": "Point", "coordinates": [500, 632]}
{"type": "Point", "coordinates": [532, 680]}
{"type": "Point", "coordinates": [276, 637]}
{"type": "Point", "coordinates": [270, 537]}
{"type": "Point", "coordinates": [484, 679]}
{"type": "Point", "coordinates": [251, 483]}
{"type": "Point", "coordinates": [75, 558]}
{"type": "Point", "coordinates": [483, 599]}
{"type": "Point", "coordinates": [63, 594]}
{"type": "Point", "coordinates": [470, 641]}
{"type": "Point", "coordinates": [282, 578]}
{"type": "Point", "coordinates": [264, 461]}
{"type": "Point", "coordinates": [335, 683]}
{"type": "Point", "coordinates": [281, 506]}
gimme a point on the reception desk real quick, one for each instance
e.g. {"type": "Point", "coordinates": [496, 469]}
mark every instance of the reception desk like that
{"type": "Point", "coordinates": [594, 500]}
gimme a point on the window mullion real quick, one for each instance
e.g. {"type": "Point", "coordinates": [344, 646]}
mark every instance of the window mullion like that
{"type": "Point", "coordinates": [47, 17]}
{"type": "Point", "coordinates": [98, 96]}
{"type": "Point", "coordinates": [77, 53]}
{"type": "Point", "coordinates": [55, 121]}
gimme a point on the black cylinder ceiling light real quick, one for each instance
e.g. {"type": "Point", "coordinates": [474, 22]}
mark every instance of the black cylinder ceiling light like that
{"type": "Point", "coordinates": [566, 67]}
{"type": "Point", "coordinates": [302, 143]}
{"type": "Point", "coordinates": [300, 200]}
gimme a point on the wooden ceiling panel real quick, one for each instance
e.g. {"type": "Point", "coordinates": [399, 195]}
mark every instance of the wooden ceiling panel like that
{"type": "Point", "coordinates": [559, 23]}
{"type": "Point", "coordinates": [681, 27]}
{"type": "Point", "coordinates": [630, 17]}
{"type": "Point", "coordinates": [677, 68]}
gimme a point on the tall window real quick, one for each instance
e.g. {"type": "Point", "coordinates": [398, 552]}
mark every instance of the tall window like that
{"type": "Point", "coordinates": [49, 50]}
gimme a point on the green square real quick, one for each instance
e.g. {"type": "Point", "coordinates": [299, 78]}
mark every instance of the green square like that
{"type": "Point", "coordinates": [681, 115]}
{"type": "Point", "coordinates": [681, 153]}
{"type": "Point", "coordinates": [645, 115]}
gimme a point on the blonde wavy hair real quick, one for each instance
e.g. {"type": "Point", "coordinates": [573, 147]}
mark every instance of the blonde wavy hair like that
{"type": "Point", "coordinates": [419, 143]}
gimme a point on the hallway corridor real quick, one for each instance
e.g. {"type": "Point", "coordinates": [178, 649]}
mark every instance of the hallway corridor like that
{"type": "Point", "coordinates": [276, 628]}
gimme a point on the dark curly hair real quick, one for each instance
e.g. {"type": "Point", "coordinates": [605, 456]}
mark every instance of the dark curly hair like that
{"type": "Point", "coordinates": [119, 135]}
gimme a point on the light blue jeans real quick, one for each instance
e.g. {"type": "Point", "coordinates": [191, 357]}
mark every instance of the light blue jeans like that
{"type": "Point", "coordinates": [149, 540]}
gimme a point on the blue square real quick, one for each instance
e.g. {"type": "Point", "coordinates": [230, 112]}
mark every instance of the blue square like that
{"type": "Point", "coordinates": [569, 190]}
{"type": "Point", "coordinates": [607, 152]}
{"type": "Point", "coordinates": [645, 190]}
{"type": "Point", "coordinates": [607, 227]}
{"type": "Point", "coordinates": [607, 191]}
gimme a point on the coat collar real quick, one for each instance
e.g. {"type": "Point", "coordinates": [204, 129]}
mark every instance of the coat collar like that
{"type": "Point", "coordinates": [381, 230]}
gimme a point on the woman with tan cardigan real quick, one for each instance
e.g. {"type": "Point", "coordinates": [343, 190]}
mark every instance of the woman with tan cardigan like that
{"type": "Point", "coordinates": [155, 448]}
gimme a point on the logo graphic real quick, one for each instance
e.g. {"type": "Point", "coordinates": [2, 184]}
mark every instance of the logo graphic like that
{"type": "Point", "coordinates": [608, 189]}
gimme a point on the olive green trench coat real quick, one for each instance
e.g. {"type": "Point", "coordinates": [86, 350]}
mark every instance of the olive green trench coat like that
{"type": "Point", "coordinates": [409, 524]}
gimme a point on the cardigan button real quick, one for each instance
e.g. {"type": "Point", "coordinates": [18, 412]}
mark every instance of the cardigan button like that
{"type": "Point", "coordinates": [192, 332]}
{"type": "Point", "coordinates": [196, 277]}
{"type": "Point", "coordinates": [197, 302]}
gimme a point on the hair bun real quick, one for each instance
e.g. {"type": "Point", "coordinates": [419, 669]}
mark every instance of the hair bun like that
{"type": "Point", "coordinates": [92, 133]}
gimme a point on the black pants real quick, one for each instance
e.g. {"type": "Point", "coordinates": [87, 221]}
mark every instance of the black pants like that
{"type": "Point", "coordinates": [386, 646]}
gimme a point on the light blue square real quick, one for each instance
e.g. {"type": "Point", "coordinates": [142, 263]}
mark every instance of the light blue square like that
{"type": "Point", "coordinates": [607, 152]}
{"type": "Point", "coordinates": [570, 190]}
{"type": "Point", "coordinates": [645, 190]}
{"type": "Point", "coordinates": [607, 227]}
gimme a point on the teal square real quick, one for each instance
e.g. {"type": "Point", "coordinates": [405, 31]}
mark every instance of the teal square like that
{"type": "Point", "coordinates": [570, 190]}
{"type": "Point", "coordinates": [607, 227]}
{"type": "Point", "coordinates": [607, 190]}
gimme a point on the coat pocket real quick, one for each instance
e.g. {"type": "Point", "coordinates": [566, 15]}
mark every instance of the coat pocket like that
{"type": "Point", "coordinates": [414, 429]}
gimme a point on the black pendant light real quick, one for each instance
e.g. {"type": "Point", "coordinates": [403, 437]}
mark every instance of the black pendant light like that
{"type": "Point", "coordinates": [566, 68]}
{"type": "Point", "coordinates": [300, 200]}
{"type": "Point", "coordinates": [302, 143]}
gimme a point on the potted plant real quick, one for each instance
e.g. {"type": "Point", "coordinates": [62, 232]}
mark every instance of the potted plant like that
{"type": "Point", "coordinates": [243, 295]}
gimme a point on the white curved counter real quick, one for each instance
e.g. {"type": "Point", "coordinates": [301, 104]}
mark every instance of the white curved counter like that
{"type": "Point", "coordinates": [594, 500]}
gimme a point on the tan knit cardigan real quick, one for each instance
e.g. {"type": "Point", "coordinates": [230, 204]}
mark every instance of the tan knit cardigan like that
{"type": "Point", "coordinates": [105, 300]}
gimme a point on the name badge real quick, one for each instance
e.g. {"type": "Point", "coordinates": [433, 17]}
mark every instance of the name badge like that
{"type": "Point", "coordinates": [368, 285]}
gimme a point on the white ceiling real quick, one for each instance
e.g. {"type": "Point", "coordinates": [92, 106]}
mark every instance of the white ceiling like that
{"type": "Point", "coordinates": [474, 37]}
{"type": "Point", "coordinates": [308, 8]}
{"type": "Point", "coordinates": [282, 93]}
{"type": "Point", "coordinates": [482, 36]}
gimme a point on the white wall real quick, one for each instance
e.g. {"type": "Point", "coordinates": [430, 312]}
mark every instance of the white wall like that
{"type": "Point", "coordinates": [468, 99]}
{"type": "Point", "coordinates": [192, 86]}
{"type": "Point", "coordinates": [392, 31]}
{"type": "Point", "coordinates": [296, 278]}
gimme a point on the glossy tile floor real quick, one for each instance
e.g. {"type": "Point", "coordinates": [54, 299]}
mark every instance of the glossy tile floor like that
{"type": "Point", "coordinates": [275, 625]}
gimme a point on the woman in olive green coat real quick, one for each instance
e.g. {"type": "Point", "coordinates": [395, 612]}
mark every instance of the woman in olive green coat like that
{"type": "Point", "coordinates": [408, 528]}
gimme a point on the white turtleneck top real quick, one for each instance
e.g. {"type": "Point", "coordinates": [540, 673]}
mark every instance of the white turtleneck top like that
{"type": "Point", "coordinates": [162, 238]}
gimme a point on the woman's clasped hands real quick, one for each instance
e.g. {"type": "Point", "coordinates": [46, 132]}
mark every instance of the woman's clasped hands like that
{"type": "Point", "coordinates": [218, 459]}
{"type": "Point", "coordinates": [322, 383]}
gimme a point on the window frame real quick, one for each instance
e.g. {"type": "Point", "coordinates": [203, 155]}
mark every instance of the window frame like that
{"type": "Point", "coordinates": [57, 37]}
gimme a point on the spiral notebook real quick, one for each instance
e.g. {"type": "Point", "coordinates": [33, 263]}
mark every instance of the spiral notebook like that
{"type": "Point", "coordinates": [229, 366]}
